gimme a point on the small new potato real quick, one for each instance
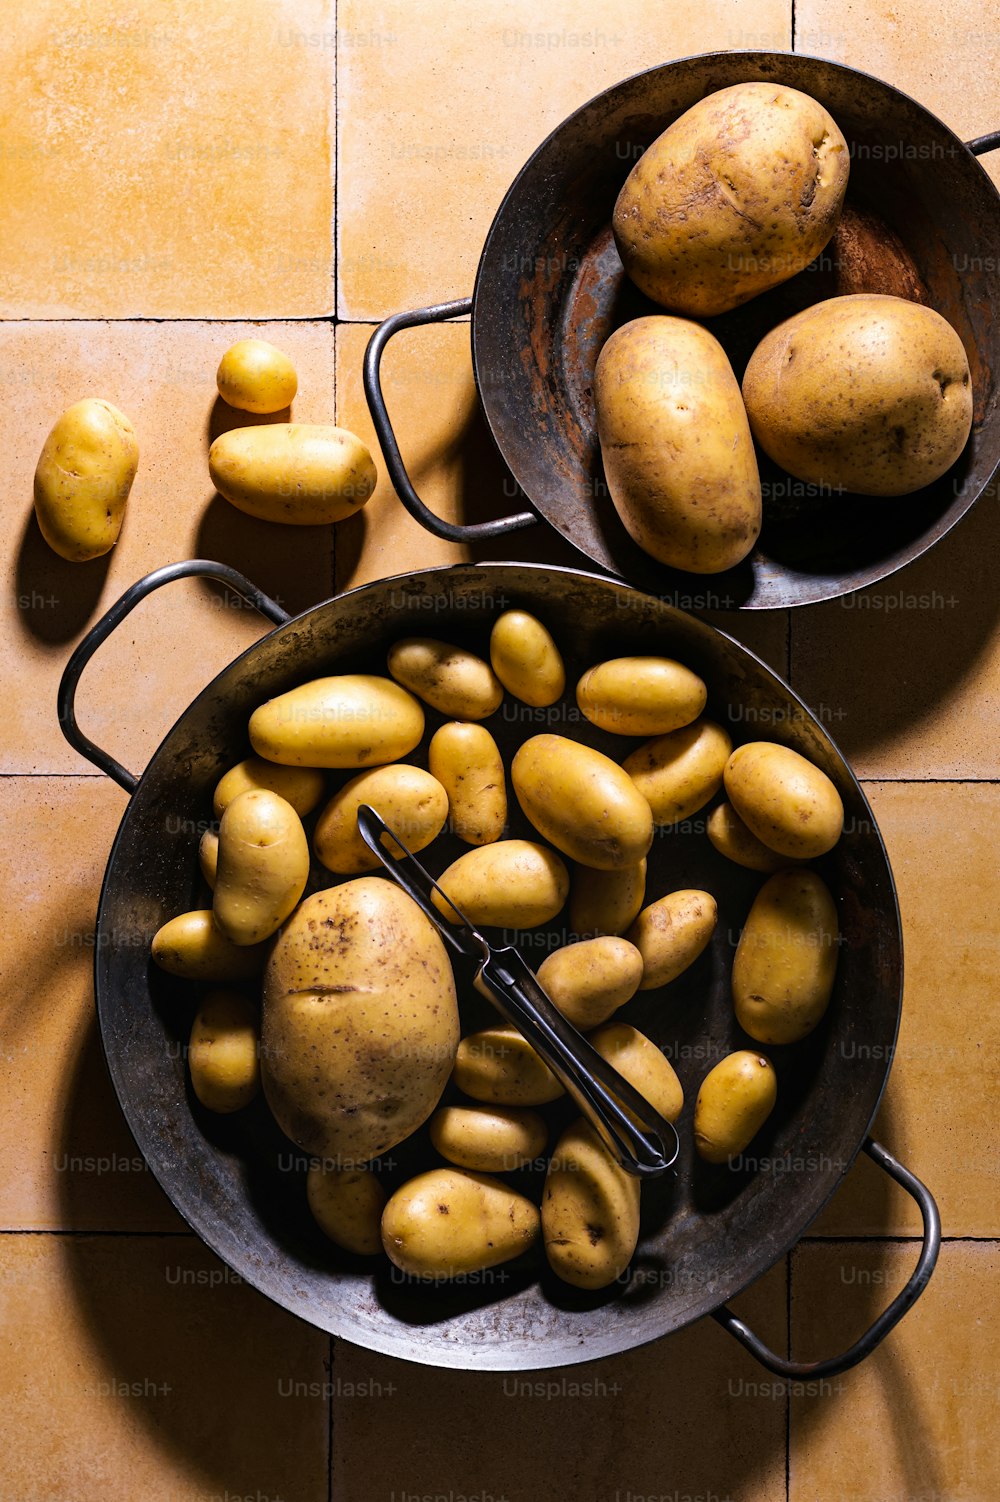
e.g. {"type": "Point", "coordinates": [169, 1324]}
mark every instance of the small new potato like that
{"type": "Point", "coordinates": [640, 695]}
{"type": "Point", "coordinates": [467, 763]}
{"type": "Point", "coordinates": [588, 981]}
{"type": "Point", "coordinates": [488, 1139]}
{"type": "Point", "coordinates": [509, 884]}
{"type": "Point", "coordinates": [223, 1052]}
{"type": "Point", "coordinates": [83, 478]}
{"type": "Point", "coordinates": [582, 802]}
{"type": "Point", "coordinates": [450, 1223]}
{"type": "Point", "coordinates": [499, 1066]}
{"type": "Point", "coordinates": [302, 787]}
{"type": "Point", "coordinates": [354, 720]}
{"type": "Point", "coordinates": [590, 1211]}
{"type": "Point", "coordinates": [347, 1205]}
{"type": "Point", "coordinates": [671, 933]}
{"type": "Point", "coordinates": [262, 868]}
{"type": "Point", "coordinates": [734, 840]}
{"type": "Point", "coordinates": [735, 1100]}
{"type": "Point", "coordinates": [301, 474]}
{"type": "Point", "coordinates": [255, 376]}
{"type": "Point", "coordinates": [786, 801]}
{"type": "Point", "coordinates": [679, 773]}
{"type": "Point", "coordinates": [451, 680]}
{"type": "Point", "coordinates": [195, 948]}
{"type": "Point", "coordinates": [606, 902]}
{"type": "Point", "coordinates": [866, 393]}
{"type": "Point", "coordinates": [410, 800]}
{"type": "Point", "coordinates": [786, 960]}
{"type": "Point", "coordinates": [526, 659]}
{"type": "Point", "coordinates": [208, 856]}
{"type": "Point", "coordinates": [645, 1066]}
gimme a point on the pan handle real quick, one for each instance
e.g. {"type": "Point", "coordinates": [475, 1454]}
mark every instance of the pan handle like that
{"type": "Point", "coordinates": [877, 1332]}
{"type": "Point", "coordinates": [402, 484]}
{"type": "Point", "coordinates": [114, 617]}
{"type": "Point", "coordinates": [982, 144]}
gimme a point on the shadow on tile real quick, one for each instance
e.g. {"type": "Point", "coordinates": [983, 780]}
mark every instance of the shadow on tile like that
{"type": "Point", "coordinates": [55, 598]}
{"type": "Point", "coordinates": [223, 419]}
{"type": "Point", "coordinates": [271, 556]}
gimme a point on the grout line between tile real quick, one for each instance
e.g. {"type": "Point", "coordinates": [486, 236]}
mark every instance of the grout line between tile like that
{"type": "Point", "coordinates": [329, 317]}
{"type": "Point", "coordinates": [50, 1231]}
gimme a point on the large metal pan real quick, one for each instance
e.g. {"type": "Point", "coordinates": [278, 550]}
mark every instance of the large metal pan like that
{"type": "Point", "coordinates": [921, 221]}
{"type": "Point", "coordinates": [708, 1232]}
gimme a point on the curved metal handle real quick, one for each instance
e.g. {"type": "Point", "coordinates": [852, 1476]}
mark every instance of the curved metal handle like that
{"type": "Point", "coordinates": [982, 144]}
{"type": "Point", "coordinates": [903, 1301]}
{"type": "Point", "coordinates": [112, 619]}
{"type": "Point", "coordinates": [403, 486]}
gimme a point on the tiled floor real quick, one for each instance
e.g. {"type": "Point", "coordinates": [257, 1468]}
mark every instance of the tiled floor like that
{"type": "Point", "coordinates": [167, 174]}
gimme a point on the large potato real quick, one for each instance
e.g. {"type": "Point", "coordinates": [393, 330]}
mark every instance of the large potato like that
{"type": "Point", "coordinates": [737, 195]}
{"type": "Point", "coordinates": [640, 695]}
{"type": "Point", "coordinates": [488, 1139]}
{"type": "Point", "coordinates": [645, 1066]}
{"type": "Point", "coordinates": [590, 980]}
{"type": "Point", "coordinates": [83, 479]}
{"type": "Point", "coordinates": [450, 679]}
{"type": "Point", "coordinates": [678, 456]}
{"type": "Point", "coordinates": [864, 393]}
{"type": "Point", "coordinates": [737, 843]}
{"type": "Point", "coordinates": [262, 866]}
{"type": "Point", "coordinates": [582, 802]}
{"type": "Point", "coordinates": [526, 659]}
{"type": "Point", "coordinates": [786, 960]}
{"type": "Point", "coordinates": [302, 787]}
{"type": "Point", "coordinates": [679, 773]}
{"type": "Point", "coordinates": [449, 1223]}
{"type": "Point", "coordinates": [509, 884]}
{"type": "Point", "coordinates": [590, 1211]}
{"type": "Point", "coordinates": [467, 763]}
{"type": "Point", "coordinates": [355, 720]}
{"type": "Point", "coordinates": [499, 1067]}
{"type": "Point", "coordinates": [410, 800]}
{"type": "Point", "coordinates": [605, 902]}
{"type": "Point", "coordinates": [194, 947]}
{"type": "Point", "coordinates": [735, 1100]}
{"type": "Point", "coordinates": [671, 933]}
{"type": "Point", "coordinates": [304, 474]}
{"type": "Point", "coordinates": [360, 1022]}
{"type": "Point", "coordinates": [255, 376]}
{"type": "Point", "coordinates": [347, 1205]}
{"type": "Point", "coordinates": [782, 798]}
{"type": "Point", "coordinates": [223, 1052]}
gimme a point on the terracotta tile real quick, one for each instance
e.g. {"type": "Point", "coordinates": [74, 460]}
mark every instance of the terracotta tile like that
{"type": "Point", "coordinates": [167, 163]}
{"type": "Point", "coordinates": [435, 121]}
{"type": "Point", "coordinates": [685, 1417]}
{"type": "Point", "coordinates": [141, 1367]}
{"type": "Point", "coordinates": [916, 1421]}
{"type": "Point", "coordinates": [163, 376]}
{"type": "Point", "coordinates": [939, 1113]}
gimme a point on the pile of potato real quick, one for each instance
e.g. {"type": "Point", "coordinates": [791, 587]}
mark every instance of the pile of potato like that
{"type": "Point", "coordinates": [862, 393]}
{"type": "Point", "coordinates": [358, 1035]}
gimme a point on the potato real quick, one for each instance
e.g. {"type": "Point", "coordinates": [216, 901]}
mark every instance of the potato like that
{"type": "Point", "coordinates": [526, 659]}
{"type": "Point", "coordinates": [678, 456]}
{"type": "Point", "coordinates": [354, 720]}
{"type": "Point", "coordinates": [83, 479]}
{"type": "Point", "coordinates": [640, 695]}
{"type": "Point", "coordinates": [509, 884]}
{"type": "Point", "coordinates": [735, 1100]}
{"type": "Point", "coordinates": [263, 866]}
{"type": "Point", "coordinates": [499, 1066]}
{"type": "Point", "coordinates": [255, 376]}
{"type": "Point", "coordinates": [223, 1052]}
{"type": "Point", "coordinates": [590, 980]}
{"type": "Point", "coordinates": [679, 773]}
{"type": "Point", "coordinates": [786, 801]}
{"type": "Point", "coordinates": [450, 679]}
{"type": "Point", "coordinates": [733, 839]}
{"type": "Point", "coordinates": [360, 1021]}
{"type": "Point", "coordinates": [193, 947]}
{"type": "Point", "coordinates": [582, 802]}
{"type": "Point", "coordinates": [302, 787]}
{"type": "Point", "coordinates": [786, 960]}
{"type": "Point", "coordinates": [605, 902]}
{"type": "Point", "coordinates": [347, 1205]}
{"type": "Point", "coordinates": [742, 191]}
{"type": "Point", "coordinates": [410, 800]}
{"type": "Point", "coordinates": [644, 1065]}
{"type": "Point", "coordinates": [208, 856]}
{"type": "Point", "coordinates": [451, 1224]}
{"type": "Point", "coordinates": [488, 1139]}
{"type": "Point", "coordinates": [467, 763]}
{"type": "Point", "coordinates": [865, 393]}
{"type": "Point", "coordinates": [590, 1211]}
{"type": "Point", "coordinates": [671, 933]}
{"type": "Point", "coordinates": [304, 474]}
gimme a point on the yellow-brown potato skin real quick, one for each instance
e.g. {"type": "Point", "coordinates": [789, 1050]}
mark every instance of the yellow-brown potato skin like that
{"type": "Point", "coordinates": [678, 456]}
{"type": "Point", "coordinates": [223, 1052]}
{"type": "Point", "coordinates": [347, 1205]}
{"type": "Point", "coordinates": [645, 1066]}
{"type": "Point", "coordinates": [735, 1100]}
{"type": "Point", "coordinates": [588, 981]}
{"type": "Point", "coordinates": [582, 802]}
{"type": "Point", "coordinates": [605, 902]}
{"type": "Point", "coordinates": [83, 478]}
{"type": "Point", "coordinates": [302, 474]}
{"type": "Point", "coordinates": [737, 843]}
{"type": "Point", "coordinates": [590, 1211]}
{"type": "Point", "coordinates": [640, 695]}
{"type": "Point", "coordinates": [499, 1067]}
{"type": "Point", "coordinates": [193, 947]}
{"type": "Point", "coordinates": [679, 773]}
{"type": "Point", "coordinates": [255, 376]}
{"type": "Point", "coordinates": [450, 1223]}
{"type": "Point", "coordinates": [208, 856]}
{"type": "Point", "coordinates": [864, 393]}
{"type": "Point", "coordinates": [525, 658]}
{"type": "Point", "coordinates": [786, 801]}
{"type": "Point", "coordinates": [467, 763]}
{"type": "Point", "coordinates": [509, 884]}
{"type": "Point", "coordinates": [410, 800]}
{"type": "Point", "coordinates": [671, 933]}
{"type": "Point", "coordinates": [262, 866]}
{"type": "Point", "coordinates": [786, 960]}
{"type": "Point", "coordinates": [741, 192]}
{"type": "Point", "coordinates": [353, 720]}
{"type": "Point", "coordinates": [450, 679]}
{"type": "Point", "coordinates": [488, 1139]}
{"type": "Point", "coordinates": [302, 787]}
